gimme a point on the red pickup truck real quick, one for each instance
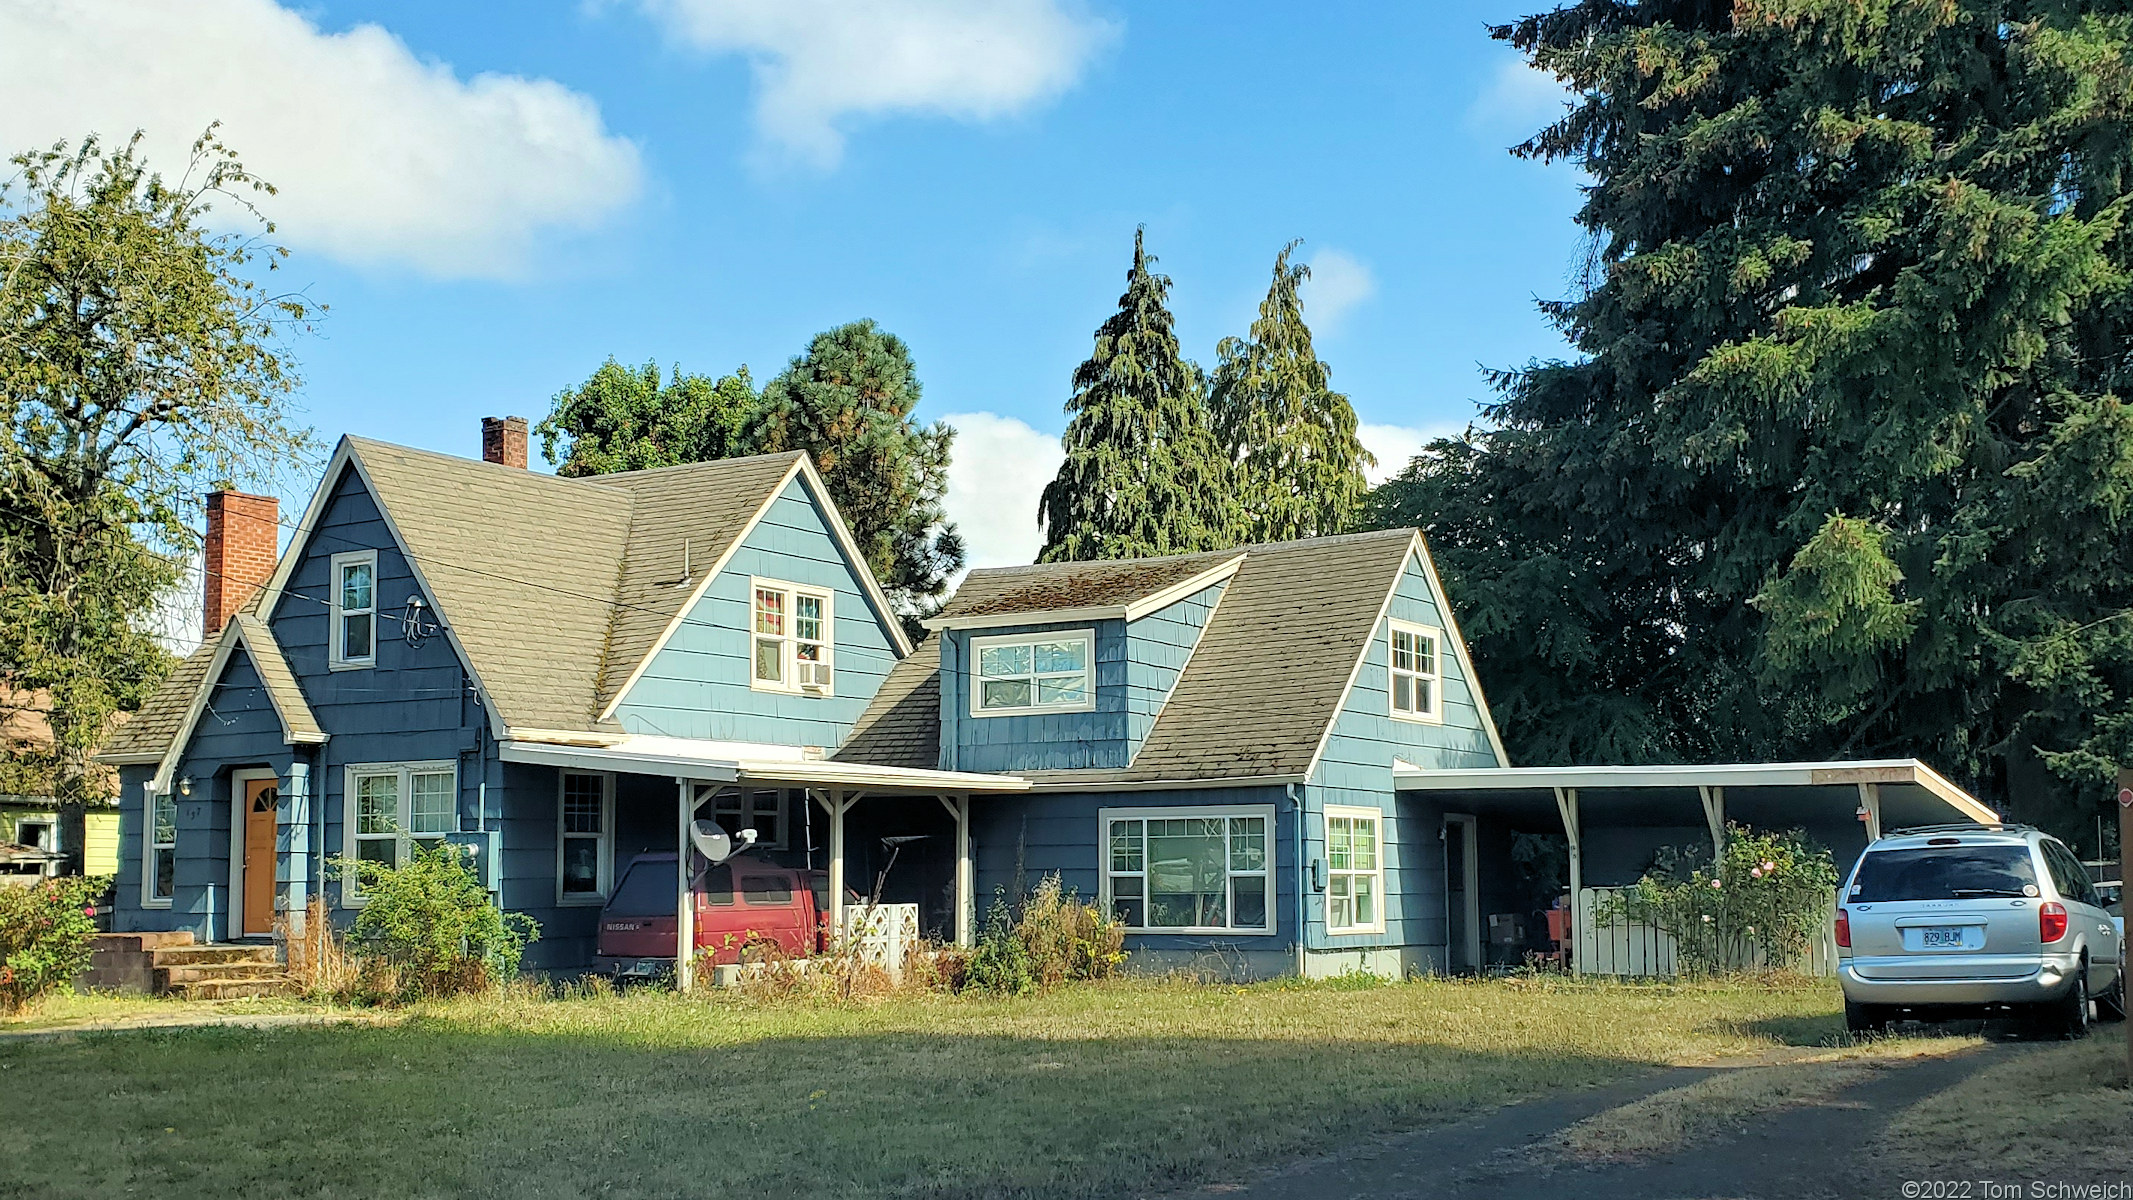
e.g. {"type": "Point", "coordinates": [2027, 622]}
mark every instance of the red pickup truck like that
{"type": "Point", "coordinates": [738, 902]}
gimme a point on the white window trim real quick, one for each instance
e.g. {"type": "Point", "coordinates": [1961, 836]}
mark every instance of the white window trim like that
{"type": "Point", "coordinates": [1105, 816]}
{"type": "Point", "coordinates": [50, 827]}
{"type": "Point", "coordinates": [790, 654]}
{"type": "Point", "coordinates": [1436, 678]}
{"type": "Point", "coordinates": [776, 838]}
{"type": "Point", "coordinates": [149, 899]}
{"type": "Point", "coordinates": [351, 891]}
{"type": "Point", "coordinates": [335, 659]}
{"type": "Point", "coordinates": [605, 855]}
{"type": "Point", "coordinates": [1376, 875]}
{"type": "Point", "coordinates": [978, 646]}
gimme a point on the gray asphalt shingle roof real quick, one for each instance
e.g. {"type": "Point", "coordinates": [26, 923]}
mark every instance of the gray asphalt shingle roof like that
{"type": "Point", "coordinates": [1049, 586]}
{"type": "Point", "coordinates": [1287, 632]}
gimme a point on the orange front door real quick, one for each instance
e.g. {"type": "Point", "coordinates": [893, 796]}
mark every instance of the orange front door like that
{"type": "Point", "coordinates": [261, 798]}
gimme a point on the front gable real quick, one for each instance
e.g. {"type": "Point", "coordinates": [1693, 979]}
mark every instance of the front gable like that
{"type": "Point", "coordinates": [698, 683]}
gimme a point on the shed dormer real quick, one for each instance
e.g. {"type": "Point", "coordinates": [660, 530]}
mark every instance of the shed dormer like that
{"type": "Point", "coordinates": [1066, 666]}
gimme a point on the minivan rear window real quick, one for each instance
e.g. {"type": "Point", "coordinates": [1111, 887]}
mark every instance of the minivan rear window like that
{"type": "Point", "coordinates": [646, 891]}
{"type": "Point", "coordinates": [1944, 873]}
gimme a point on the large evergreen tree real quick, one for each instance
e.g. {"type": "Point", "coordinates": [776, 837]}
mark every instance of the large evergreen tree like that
{"type": "Point", "coordinates": [624, 419]}
{"type": "Point", "coordinates": [848, 401]}
{"type": "Point", "coordinates": [1842, 468]}
{"type": "Point", "coordinates": [1296, 462]}
{"type": "Point", "coordinates": [1143, 474]}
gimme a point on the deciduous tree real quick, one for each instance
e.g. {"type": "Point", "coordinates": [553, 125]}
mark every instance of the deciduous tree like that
{"type": "Point", "coordinates": [628, 419]}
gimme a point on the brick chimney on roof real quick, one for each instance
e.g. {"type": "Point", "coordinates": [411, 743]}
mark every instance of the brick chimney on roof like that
{"type": "Point", "coordinates": [503, 440]}
{"type": "Point", "coordinates": [237, 553]}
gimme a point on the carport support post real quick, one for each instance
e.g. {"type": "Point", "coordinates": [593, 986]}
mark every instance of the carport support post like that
{"type": "Point", "coordinates": [837, 804]}
{"type": "Point", "coordinates": [959, 807]}
{"type": "Point", "coordinates": [1870, 802]}
{"type": "Point", "coordinates": [684, 912]}
{"type": "Point", "coordinates": [1566, 804]}
{"type": "Point", "coordinates": [1714, 814]}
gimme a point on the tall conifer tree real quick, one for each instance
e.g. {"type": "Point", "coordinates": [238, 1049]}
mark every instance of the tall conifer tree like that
{"type": "Point", "coordinates": [1143, 475]}
{"type": "Point", "coordinates": [1289, 437]}
{"type": "Point", "coordinates": [1841, 468]}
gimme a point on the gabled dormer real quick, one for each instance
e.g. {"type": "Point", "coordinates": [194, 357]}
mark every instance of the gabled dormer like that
{"type": "Point", "coordinates": [1067, 666]}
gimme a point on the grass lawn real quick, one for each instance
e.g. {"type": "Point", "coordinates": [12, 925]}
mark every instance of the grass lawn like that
{"type": "Point", "coordinates": [2053, 1114]}
{"type": "Point", "coordinates": [1092, 1089]}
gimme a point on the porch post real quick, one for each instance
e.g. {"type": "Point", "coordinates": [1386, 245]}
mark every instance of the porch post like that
{"type": "Point", "coordinates": [684, 912]}
{"type": "Point", "coordinates": [1566, 806]}
{"type": "Point", "coordinates": [1714, 814]}
{"type": "Point", "coordinates": [837, 805]}
{"type": "Point", "coordinates": [959, 807]}
{"type": "Point", "coordinates": [1870, 804]}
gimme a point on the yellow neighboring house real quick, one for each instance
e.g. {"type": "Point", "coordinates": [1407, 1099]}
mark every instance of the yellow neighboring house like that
{"type": "Point", "coordinates": [33, 821]}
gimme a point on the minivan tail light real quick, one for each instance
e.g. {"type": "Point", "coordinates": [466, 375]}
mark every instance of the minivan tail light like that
{"type": "Point", "coordinates": [2051, 921]}
{"type": "Point", "coordinates": [1844, 929]}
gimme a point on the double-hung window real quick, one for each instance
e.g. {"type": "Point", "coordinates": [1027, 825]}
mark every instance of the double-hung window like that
{"type": "Point", "coordinates": [1189, 870]}
{"type": "Point", "coordinates": [585, 837]}
{"type": "Point", "coordinates": [390, 808]}
{"type": "Point", "coordinates": [1417, 681]}
{"type": "Point", "coordinates": [159, 858]}
{"type": "Point", "coordinates": [1355, 875]}
{"type": "Point", "coordinates": [1027, 673]}
{"type": "Point", "coordinates": [790, 636]}
{"type": "Point", "coordinates": [355, 609]}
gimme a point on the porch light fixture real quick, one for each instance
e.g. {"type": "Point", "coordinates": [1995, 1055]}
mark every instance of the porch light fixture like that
{"type": "Point", "coordinates": [185, 786]}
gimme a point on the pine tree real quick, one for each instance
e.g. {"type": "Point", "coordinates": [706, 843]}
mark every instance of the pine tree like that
{"type": "Point", "coordinates": [1143, 475]}
{"type": "Point", "coordinates": [1289, 436]}
{"type": "Point", "coordinates": [1841, 469]}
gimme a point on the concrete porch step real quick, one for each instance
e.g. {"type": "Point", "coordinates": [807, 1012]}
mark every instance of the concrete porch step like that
{"type": "Point", "coordinates": [168, 977]}
{"type": "Point", "coordinates": [220, 952]}
{"type": "Point", "coordinates": [138, 943]}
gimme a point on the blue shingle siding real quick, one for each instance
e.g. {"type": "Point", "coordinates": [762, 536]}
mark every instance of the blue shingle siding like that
{"type": "Point", "coordinates": [1039, 741]}
{"type": "Point", "coordinates": [697, 685]}
{"type": "Point", "coordinates": [1018, 839]}
{"type": "Point", "coordinates": [1157, 648]}
{"type": "Point", "coordinates": [1355, 770]}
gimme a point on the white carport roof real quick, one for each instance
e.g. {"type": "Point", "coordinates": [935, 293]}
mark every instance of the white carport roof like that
{"type": "Point", "coordinates": [689, 758]}
{"type": "Point", "coordinates": [1771, 795]}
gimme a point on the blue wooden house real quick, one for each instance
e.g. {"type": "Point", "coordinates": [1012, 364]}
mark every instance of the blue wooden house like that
{"type": "Point", "coordinates": [1269, 759]}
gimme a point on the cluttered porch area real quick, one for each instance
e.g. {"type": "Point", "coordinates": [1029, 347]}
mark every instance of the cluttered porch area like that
{"type": "Point", "coordinates": [1537, 858]}
{"type": "Point", "coordinates": [719, 853]}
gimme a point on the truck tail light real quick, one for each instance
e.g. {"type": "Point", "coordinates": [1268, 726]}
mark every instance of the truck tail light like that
{"type": "Point", "coordinates": [1844, 929]}
{"type": "Point", "coordinates": [2051, 921]}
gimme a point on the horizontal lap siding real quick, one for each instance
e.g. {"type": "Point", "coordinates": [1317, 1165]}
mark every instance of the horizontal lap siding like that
{"type": "Point", "coordinates": [1157, 648]}
{"type": "Point", "coordinates": [1039, 742]}
{"type": "Point", "coordinates": [1018, 840]}
{"type": "Point", "coordinates": [1355, 770]}
{"type": "Point", "coordinates": [697, 686]}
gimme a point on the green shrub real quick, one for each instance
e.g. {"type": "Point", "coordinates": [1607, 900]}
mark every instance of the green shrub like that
{"type": "Point", "coordinates": [1767, 896]}
{"type": "Point", "coordinates": [44, 937]}
{"type": "Point", "coordinates": [1001, 962]}
{"type": "Point", "coordinates": [430, 929]}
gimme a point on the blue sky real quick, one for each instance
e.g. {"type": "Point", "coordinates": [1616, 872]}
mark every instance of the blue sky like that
{"type": "Point", "coordinates": [492, 204]}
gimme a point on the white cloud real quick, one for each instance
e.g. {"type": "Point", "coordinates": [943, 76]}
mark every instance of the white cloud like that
{"type": "Point", "coordinates": [1339, 282]}
{"type": "Point", "coordinates": [380, 157]}
{"type": "Point", "coordinates": [997, 474]}
{"type": "Point", "coordinates": [1395, 446]}
{"type": "Point", "coordinates": [820, 61]}
{"type": "Point", "coordinates": [1518, 100]}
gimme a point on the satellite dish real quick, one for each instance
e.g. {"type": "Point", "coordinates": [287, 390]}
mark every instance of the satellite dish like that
{"type": "Point", "coordinates": [713, 843]}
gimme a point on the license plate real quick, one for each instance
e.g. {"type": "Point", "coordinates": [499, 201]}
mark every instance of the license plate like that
{"type": "Point", "coordinates": [1941, 937]}
{"type": "Point", "coordinates": [641, 968]}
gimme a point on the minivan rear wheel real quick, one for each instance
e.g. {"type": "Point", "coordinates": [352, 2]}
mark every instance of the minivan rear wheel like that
{"type": "Point", "coordinates": [1867, 1018]}
{"type": "Point", "coordinates": [2068, 1016]}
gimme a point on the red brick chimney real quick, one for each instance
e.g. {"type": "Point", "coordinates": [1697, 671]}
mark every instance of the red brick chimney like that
{"type": "Point", "coordinates": [503, 440]}
{"type": "Point", "coordinates": [238, 553]}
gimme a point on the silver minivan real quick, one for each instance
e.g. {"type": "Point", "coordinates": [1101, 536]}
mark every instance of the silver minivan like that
{"type": "Point", "coordinates": [1968, 920]}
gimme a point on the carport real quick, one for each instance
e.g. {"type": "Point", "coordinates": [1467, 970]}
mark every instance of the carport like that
{"type": "Point", "coordinates": [1615, 818]}
{"type": "Point", "coordinates": [700, 771]}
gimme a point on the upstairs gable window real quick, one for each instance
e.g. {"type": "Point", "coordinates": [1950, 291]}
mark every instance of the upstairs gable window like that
{"type": "Point", "coordinates": [1033, 673]}
{"type": "Point", "coordinates": [792, 644]}
{"type": "Point", "coordinates": [1417, 682]}
{"type": "Point", "coordinates": [355, 609]}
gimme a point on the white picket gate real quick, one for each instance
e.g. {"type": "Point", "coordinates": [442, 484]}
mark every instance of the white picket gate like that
{"type": "Point", "coordinates": [1636, 950]}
